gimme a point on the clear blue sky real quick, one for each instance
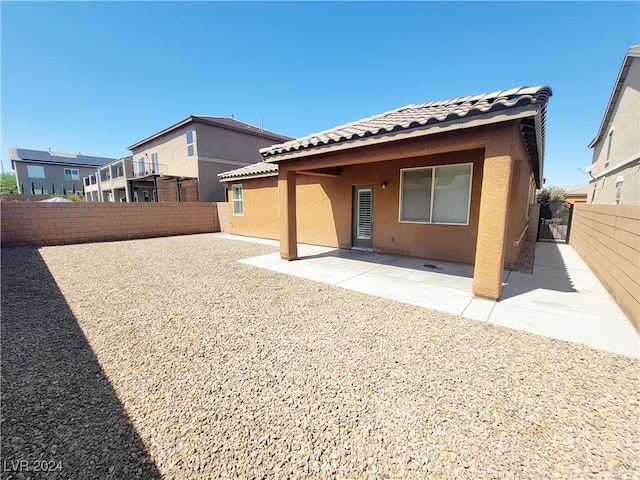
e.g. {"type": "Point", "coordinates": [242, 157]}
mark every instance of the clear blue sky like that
{"type": "Point", "coordinates": [96, 77]}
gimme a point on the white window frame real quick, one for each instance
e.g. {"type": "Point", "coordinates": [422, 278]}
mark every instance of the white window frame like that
{"type": "Point", "coordinates": [609, 142]}
{"type": "Point", "coordinates": [619, 183]}
{"type": "Point", "coordinates": [73, 174]}
{"type": "Point", "coordinates": [237, 200]}
{"type": "Point", "coordinates": [139, 162]}
{"type": "Point", "coordinates": [32, 169]}
{"type": "Point", "coordinates": [433, 183]}
{"type": "Point", "coordinates": [190, 152]}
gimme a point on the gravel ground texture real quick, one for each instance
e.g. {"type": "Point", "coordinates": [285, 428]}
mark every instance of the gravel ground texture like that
{"type": "Point", "coordinates": [526, 259]}
{"type": "Point", "coordinates": [166, 358]}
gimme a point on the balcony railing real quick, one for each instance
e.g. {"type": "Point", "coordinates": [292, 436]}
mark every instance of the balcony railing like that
{"type": "Point", "coordinates": [143, 169]}
{"type": "Point", "coordinates": [117, 171]}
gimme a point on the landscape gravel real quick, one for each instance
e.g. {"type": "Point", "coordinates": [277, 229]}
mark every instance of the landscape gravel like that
{"type": "Point", "coordinates": [167, 358]}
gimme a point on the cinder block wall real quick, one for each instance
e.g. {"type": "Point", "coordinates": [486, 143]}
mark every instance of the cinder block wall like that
{"type": "Point", "coordinates": [607, 237]}
{"type": "Point", "coordinates": [32, 223]}
{"type": "Point", "coordinates": [223, 216]}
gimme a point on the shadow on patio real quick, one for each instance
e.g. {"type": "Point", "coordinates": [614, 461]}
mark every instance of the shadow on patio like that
{"type": "Point", "coordinates": [550, 272]}
{"type": "Point", "coordinates": [58, 406]}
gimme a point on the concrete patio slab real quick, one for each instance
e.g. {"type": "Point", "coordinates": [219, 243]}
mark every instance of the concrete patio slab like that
{"type": "Point", "coordinates": [561, 299]}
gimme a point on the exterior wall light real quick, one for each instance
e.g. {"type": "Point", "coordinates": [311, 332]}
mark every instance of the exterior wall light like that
{"type": "Point", "coordinates": [384, 185]}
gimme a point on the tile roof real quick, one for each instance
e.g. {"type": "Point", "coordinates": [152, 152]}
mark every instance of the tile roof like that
{"type": "Point", "coordinates": [260, 169]}
{"type": "Point", "coordinates": [60, 158]}
{"type": "Point", "coordinates": [223, 122]}
{"type": "Point", "coordinates": [575, 189]}
{"type": "Point", "coordinates": [422, 115]}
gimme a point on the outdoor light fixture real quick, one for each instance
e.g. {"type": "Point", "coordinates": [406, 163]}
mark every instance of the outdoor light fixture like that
{"type": "Point", "coordinates": [384, 185]}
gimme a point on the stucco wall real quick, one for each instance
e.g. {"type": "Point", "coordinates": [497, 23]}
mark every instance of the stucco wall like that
{"type": "Point", "coordinates": [260, 216]}
{"type": "Point", "coordinates": [53, 174]}
{"type": "Point", "coordinates": [324, 203]}
{"type": "Point", "coordinates": [607, 237]}
{"type": "Point", "coordinates": [622, 145]}
{"type": "Point", "coordinates": [324, 210]}
{"type": "Point", "coordinates": [521, 198]}
{"type": "Point", "coordinates": [30, 223]}
{"type": "Point", "coordinates": [172, 153]}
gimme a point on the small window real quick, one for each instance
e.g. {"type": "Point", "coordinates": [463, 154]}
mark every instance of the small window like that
{"type": "Point", "coordinates": [190, 149]}
{"type": "Point", "coordinates": [237, 200]}
{"type": "Point", "coordinates": [141, 166]}
{"type": "Point", "coordinates": [619, 182]}
{"type": "Point", "coordinates": [610, 140]}
{"type": "Point", "coordinates": [71, 174]}
{"type": "Point", "coordinates": [436, 194]}
{"type": "Point", "coordinates": [35, 172]}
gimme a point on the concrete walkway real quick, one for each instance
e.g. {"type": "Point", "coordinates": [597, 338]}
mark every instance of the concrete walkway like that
{"type": "Point", "coordinates": [562, 299]}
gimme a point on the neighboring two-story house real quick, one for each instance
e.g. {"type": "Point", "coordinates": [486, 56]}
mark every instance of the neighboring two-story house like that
{"type": "Point", "coordinates": [181, 162]}
{"type": "Point", "coordinates": [615, 169]}
{"type": "Point", "coordinates": [49, 173]}
{"type": "Point", "coordinates": [110, 183]}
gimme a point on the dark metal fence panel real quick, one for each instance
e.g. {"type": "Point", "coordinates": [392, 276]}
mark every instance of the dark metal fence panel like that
{"type": "Point", "coordinates": [555, 222]}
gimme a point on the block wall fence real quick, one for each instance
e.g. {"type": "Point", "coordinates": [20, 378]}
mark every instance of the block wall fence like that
{"type": "Point", "coordinates": [607, 237]}
{"type": "Point", "coordinates": [32, 223]}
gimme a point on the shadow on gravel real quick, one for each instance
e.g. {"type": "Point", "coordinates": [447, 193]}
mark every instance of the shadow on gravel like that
{"type": "Point", "coordinates": [60, 416]}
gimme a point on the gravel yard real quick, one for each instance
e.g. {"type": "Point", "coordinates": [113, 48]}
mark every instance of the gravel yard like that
{"type": "Point", "coordinates": [166, 358]}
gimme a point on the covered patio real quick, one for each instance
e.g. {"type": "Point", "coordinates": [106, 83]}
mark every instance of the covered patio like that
{"type": "Point", "coordinates": [562, 299]}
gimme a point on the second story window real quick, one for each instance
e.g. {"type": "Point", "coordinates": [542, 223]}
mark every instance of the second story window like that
{"type": "Point", "coordinates": [141, 166]}
{"type": "Point", "coordinates": [609, 142]}
{"type": "Point", "coordinates": [34, 171]}
{"type": "Point", "coordinates": [71, 174]}
{"type": "Point", "coordinates": [155, 166]}
{"type": "Point", "coordinates": [190, 148]}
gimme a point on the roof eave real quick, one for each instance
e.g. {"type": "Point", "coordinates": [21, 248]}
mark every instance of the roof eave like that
{"type": "Point", "coordinates": [264, 133]}
{"type": "Point", "coordinates": [613, 98]}
{"type": "Point", "coordinates": [247, 177]}
{"type": "Point", "coordinates": [181, 123]}
{"type": "Point", "coordinates": [207, 121]}
{"type": "Point", "coordinates": [453, 125]}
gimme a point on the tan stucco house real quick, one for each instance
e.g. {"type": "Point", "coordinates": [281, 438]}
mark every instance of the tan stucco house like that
{"type": "Point", "coordinates": [450, 180]}
{"type": "Point", "coordinates": [615, 168]}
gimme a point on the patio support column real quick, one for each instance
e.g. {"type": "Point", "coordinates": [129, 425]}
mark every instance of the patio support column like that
{"type": "Point", "coordinates": [493, 221]}
{"type": "Point", "coordinates": [287, 207]}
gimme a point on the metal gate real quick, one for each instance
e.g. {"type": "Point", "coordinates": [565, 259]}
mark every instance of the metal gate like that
{"type": "Point", "coordinates": [555, 222]}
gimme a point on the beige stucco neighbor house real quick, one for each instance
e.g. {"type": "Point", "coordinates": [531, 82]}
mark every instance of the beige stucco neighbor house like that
{"type": "Point", "coordinates": [182, 161]}
{"type": "Point", "coordinates": [615, 169]}
{"type": "Point", "coordinates": [450, 180]}
{"type": "Point", "coordinates": [109, 183]}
